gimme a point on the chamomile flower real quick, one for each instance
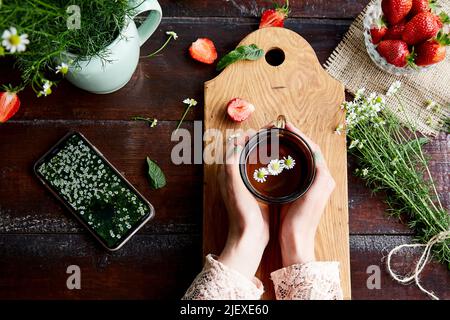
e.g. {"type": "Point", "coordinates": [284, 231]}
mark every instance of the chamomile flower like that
{"type": "Point", "coordinates": [275, 167]}
{"type": "Point", "coordinates": [13, 42]}
{"type": "Point", "coordinates": [260, 175]}
{"type": "Point", "coordinates": [46, 89]}
{"type": "Point", "coordinates": [288, 163]}
{"type": "Point", "coordinates": [393, 89]}
{"type": "Point", "coordinates": [63, 68]}
{"type": "Point", "coordinates": [339, 129]}
{"type": "Point", "coordinates": [173, 34]}
{"type": "Point", "coordinates": [359, 94]}
{"type": "Point", "coordinates": [353, 144]}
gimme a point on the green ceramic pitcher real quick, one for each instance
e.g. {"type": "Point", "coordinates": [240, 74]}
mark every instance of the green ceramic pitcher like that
{"type": "Point", "coordinates": [94, 75]}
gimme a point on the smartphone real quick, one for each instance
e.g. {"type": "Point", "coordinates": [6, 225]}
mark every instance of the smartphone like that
{"type": "Point", "coordinates": [97, 194]}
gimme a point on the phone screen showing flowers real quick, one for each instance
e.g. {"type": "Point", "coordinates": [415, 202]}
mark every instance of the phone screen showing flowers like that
{"type": "Point", "coordinates": [103, 200]}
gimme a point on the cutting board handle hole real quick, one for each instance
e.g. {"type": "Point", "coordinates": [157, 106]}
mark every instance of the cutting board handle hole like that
{"type": "Point", "coordinates": [275, 57]}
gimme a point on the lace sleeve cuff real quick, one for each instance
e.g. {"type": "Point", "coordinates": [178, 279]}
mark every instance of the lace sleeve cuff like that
{"type": "Point", "coordinates": [308, 281]}
{"type": "Point", "coordinates": [219, 282]}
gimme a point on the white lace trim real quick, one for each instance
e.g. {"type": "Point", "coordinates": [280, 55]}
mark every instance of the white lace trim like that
{"type": "Point", "coordinates": [308, 281]}
{"type": "Point", "coordinates": [219, 282]}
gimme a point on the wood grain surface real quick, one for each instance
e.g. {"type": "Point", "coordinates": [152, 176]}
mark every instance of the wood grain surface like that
{"type": "Point", "coordinates": [39, 239]}
{"type": "Point", "coordinates": [301, 90]}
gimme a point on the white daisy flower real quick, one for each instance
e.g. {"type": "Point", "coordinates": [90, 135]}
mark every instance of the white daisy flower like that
{"type": "Point", "coordinates": [364, 172]}
{"type": "Point", "coordinates": [275, 167]}
{"type": "Point", "coordinates": [395, 86]}
{"type": "Point", "coordinates": [288, 163]}
{"type": "Point", "coordinates": [14, 42]}
{"type": "Point", "coordinates": [173, 34]}
{"type": "Point", "coordinates": [260, 175]}
{"type": "Point", "coordinates": [63, 68]}
{"type": "Point", "coordinates": [46, 89]}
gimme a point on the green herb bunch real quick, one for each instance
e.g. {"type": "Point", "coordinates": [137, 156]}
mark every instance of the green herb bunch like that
{"type": "Point", "coordinates": [45, 22]}
{"type": "Point", "coordinates": [391, 159]}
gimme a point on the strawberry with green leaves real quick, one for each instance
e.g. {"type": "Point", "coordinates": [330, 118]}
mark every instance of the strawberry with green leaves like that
{"type": "Point", "coordinates": [275, 17]}
{"type": "Point", "coordinates": [432, 51]}
{"type": "Point", "coordinates": [9, 104]}
{"type": "Point", "coordinates": [378, 31]}
{"type": "Point", "coordinates": [422, 27]}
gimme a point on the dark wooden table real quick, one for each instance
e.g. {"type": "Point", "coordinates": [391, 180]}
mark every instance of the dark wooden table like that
{"type": "Point", "coordinates": [39, 238]}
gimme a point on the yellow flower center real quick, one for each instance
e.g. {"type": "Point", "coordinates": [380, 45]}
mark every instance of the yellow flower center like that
{"type": "Point", "coordinates": [15, 40]}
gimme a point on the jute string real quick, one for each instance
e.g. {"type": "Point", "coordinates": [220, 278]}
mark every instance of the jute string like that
{"type": "Point", "coordinates": [421, 263]}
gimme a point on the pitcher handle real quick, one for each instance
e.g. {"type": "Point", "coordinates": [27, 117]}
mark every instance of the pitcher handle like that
{"type": "Point", "coordinates": [148, 27]}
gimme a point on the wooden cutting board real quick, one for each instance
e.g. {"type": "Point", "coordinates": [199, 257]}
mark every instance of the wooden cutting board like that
{"type": "Point", "coordinates": [300, 89]}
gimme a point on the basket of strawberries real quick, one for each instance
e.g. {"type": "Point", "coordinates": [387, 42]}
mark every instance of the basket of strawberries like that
{"type": "Point", "coordinates": [406, 36]}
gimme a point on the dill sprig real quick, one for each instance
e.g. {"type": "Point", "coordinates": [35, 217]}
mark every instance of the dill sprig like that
{"type": "Point", "coordinates": [391, 159]}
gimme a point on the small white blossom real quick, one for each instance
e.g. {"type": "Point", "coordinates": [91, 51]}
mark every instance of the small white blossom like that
{"type": "Point", "coordinates": [353, 144]}
{"type": "Point", "coordinates": [393, 89]}
{"type": "Point", "coordinates": [339, 129]}
{"type": "Point", "coordinates": [190, 102]}
{"type": "Point", "coordinates": [173, 34]}
{"type": "Point", "coordinates": [260, 175]}
{"type": "Point", "coordinates": [13, 42]}
{"type": "Point", "coordinates": [364, 172]}
{"type": "Point", "coordinates": [46, 89]}
{"type": "Point", "coordinates": [63, 68]}
{"type": "Point", "coordinates": [359, 93]}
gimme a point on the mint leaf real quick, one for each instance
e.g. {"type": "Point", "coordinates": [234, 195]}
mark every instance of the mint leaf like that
{"type": "Point", "coordinates": [251, 52]}
{"type": "Point", "coordinates": [157, 177]}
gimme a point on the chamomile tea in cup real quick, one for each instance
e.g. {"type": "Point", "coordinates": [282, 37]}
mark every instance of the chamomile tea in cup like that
{"type": "Point", "coordinates": [277, 165]}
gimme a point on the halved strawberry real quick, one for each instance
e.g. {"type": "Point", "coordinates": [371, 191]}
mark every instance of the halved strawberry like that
{"type": "Point", "coordinates": [239, 110]}
{"type": "Point", "coordinates": [9, 104]}
{"type": "Point", "coordinates": [203, 50]}
{"type": "Point", "coordinates": [274, 17]}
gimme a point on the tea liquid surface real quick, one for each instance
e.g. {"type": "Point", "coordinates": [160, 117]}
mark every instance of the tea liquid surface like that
{"type": "Point", "coordinates": [289, 181]}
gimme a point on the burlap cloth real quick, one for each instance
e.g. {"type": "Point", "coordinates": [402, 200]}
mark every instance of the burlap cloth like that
{"type": "Point", "coordinates": [351, 64]}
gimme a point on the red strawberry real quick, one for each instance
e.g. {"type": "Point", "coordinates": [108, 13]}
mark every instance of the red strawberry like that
{"type": "Point", "coordinates": [239, 110]}
{"type": "Point", "coordinates": [9, 104]}
{"type": "Point", "coordinates": [274, 17]}
{"type": "Point", "coordinates": [396, 10]}
{"type": "Point", "coordinates": [395, 32]}
{"type": "Point", "coordinates": [432, 51]}
{"type": "Point", "coordinates": [377, 34]}
{"type": "Point", "coordinates": [422, 27]}
{"type": "Point", "coordinates": [203, 50]}
{"type": "Point", "coordinates": [378, 31]}
{"type": "Point", "coordinates": [419, 6]}
{"type": "Point", "coordinates": [395, 52]}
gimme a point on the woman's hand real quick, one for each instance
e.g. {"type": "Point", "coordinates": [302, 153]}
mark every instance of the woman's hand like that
{"type": "Point", "coordinates": [248, 232]}
{"type": "Point", "coordinates": [300, 219]}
